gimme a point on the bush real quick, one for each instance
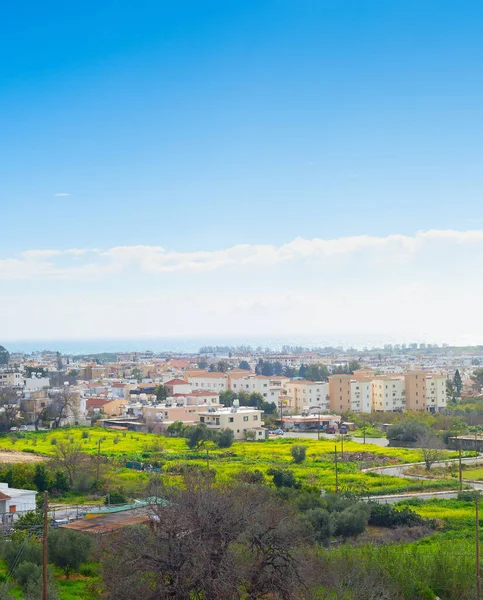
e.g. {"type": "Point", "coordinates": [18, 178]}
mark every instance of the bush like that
{"type": "Point", "coordinates": [384, 515]}
{"type": "Point", "coordinates": [53, 441]}
{"type": "Point", "coordinates": [255, 476]}
{"type": "Point", "coordinates": [27, 571]}
{"type": "Point", "coordinates": [225, 438]}
{"type": "Point", "coordinates": [85, 435]}
{"type": "Point", "coordinates": [31, 551]}
{"type": "Point", "coordinates": [68, 549]}
{"type": "Point", "coordinates": [284, 478]}
{"type": "Point", "coordinates": [352, 521]}
{"type": "Point", "coordinates": [298, 453]}
{"type": "Point", "coordinates": [323, 524]}
{"type": "Point", "coordinates": [116, 497]}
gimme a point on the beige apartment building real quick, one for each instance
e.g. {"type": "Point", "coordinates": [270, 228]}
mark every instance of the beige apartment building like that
{"type": "Point", "coordinates": [239, 420]}
{"type": "Point", "coordinates": [389, 393]}
{"type": "Point", "coordinates": [415, 390]}
{"type": "Point", "coordinates": [308, 394]}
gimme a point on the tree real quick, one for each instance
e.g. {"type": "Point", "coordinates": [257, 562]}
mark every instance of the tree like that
{"type": "Point", "coordinates": [298, 453]}
{"type": "Point", "coordinates": [4, 356]}
{"type": "Point", "coordinates": [284, 478]}
{"type": "Point", "coordinates": [222, 366]}
{"type": "Point", "coordinates": [197, 436]}
{"type": "Point", "coordinates": [352, 521]}
{"type": "Point", "coordinates": [458, 383]}
{"type": "Point", "coordinates": [9, 407]}
{"type": "Point", "coordinates": [227, 397]}
{"type": "Point", "coordinates": [431, 448]}
{"type": "Point", "coordinates": [224, 438]}
{"type": "Point", "coordinates": [317, 373]}
{"type": "Point", "coordinates": [69, 549]}
{"type": "Point", "coordinates": [177, 429]}
{"type": "Point", "coordinates": [161, 393]}
{"type": "Point", "coordinates": [65, 403]}
{"type": "Point", "coordinates": [244, 365]}
{"type": "Point", "coordinates": [70, 458]}
{"type": "Point", "coordinates": [137, 374]}
{"type": "Point", "coordinates": [202, 364]}
{"type": "Point", "coordinates": [41, 478]}
{"type": "Point", "coordinates": [323, 524]}
{"type": "Point", "coordinates": [407, 430]}
{"type": "Point", "coordinates": [477, 377]}
{"type": "Point", "coordinates": [218, 542]}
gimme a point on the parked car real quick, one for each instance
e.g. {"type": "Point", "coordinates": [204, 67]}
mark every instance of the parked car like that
{"type": "Point", "coordinates": [13, 428]}
{"type": "Point", "coordinates": [277, 431]}
{"type": "Point", "coordinates": [24, 428]}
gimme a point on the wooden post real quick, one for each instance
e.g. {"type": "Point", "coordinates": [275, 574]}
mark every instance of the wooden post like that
{"type": "Point", "coordinates": [318, 424]}
{"type": "Point", "coordinates": [460, 470]}
{"type": "Point", "coordinates": [44, 546]}
{"type": "Point", "coordinates": [478, 583]}
{"type": "Point", "coordinates": [98, 463]}
{"type": "Point", "coordinates": [336, 472]}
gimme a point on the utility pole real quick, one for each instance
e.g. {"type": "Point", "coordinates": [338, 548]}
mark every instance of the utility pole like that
{"type": "Point", "coordinates": [336, 471]}
{"type": "Point", "coordinates": [460, 469]}
{"type": "Point", "coordinates": [478, 582]}
{"type": "Point", "coordinates": [98, 463]}
{"type": "Point", "coordinates": [364, 431]}
{"type": "Point", "coordinates": [44, 546]}
{"type": "Point", "coordinates": [318, 424]}
{"type": "Point", "coordinates": [342, 452]}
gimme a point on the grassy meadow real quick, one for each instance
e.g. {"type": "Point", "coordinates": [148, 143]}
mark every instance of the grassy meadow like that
{"type": "Point", "coordinates": [173, 458]}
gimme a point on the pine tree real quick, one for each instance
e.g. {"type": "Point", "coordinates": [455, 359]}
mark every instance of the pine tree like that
{"type": "Point", "coordinates": [457, 382]}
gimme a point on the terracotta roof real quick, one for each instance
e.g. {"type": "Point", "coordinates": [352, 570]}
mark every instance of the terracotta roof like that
{"type": "Point", "coordinates": [4, 496]}
{"type": "Point", "coordinates": [176, 381]}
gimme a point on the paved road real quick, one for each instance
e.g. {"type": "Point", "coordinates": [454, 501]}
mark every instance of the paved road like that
{"type": "Point", "coordinates": [383, 442]}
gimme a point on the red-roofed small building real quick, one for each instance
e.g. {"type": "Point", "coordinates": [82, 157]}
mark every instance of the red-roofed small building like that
{"type": "Point", "coordinates": [177, 386]}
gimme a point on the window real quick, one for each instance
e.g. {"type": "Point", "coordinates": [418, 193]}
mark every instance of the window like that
{"type": "Point", "coordinates": [202, 419]}
{"type": "Point", "coordinates": [245, 418]}
{"type": "Point", "coordinates": [230, 419]}
{"type": "Point", "coordinates": [255, 417]}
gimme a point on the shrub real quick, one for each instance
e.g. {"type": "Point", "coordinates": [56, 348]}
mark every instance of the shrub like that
{"type": "Point", "coordinates": [53, 441]}
{"type": "Point", "coordinates": [352, 521]}
{"type": "Point", "coordinates": [298, 453]}
{"type": "Point", "coordinates": [225, 438]}
{"type": "Point", "coordinates": [85, 435]}
{"type": "Point", "coordinates": [322, 523]}
{"type": "Point", "coordinates": [284, 478]}
{"type": "Point", "coordinates": [31, 551]}
{"type": "Point", "coordinates": [255, 476]}
{"type": "Point", "coordinates": [68, 549]}
{"type": "Point", "coordinates": [385, 515]}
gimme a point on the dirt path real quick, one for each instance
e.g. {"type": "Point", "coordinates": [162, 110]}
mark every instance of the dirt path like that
{"type": "Point", "coordinates": [11, 456]}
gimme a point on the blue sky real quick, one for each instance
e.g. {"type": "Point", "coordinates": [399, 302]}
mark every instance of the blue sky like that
{"type": "Point", "coordinates": [201, 126]}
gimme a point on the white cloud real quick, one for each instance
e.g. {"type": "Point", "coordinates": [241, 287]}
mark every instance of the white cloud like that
{"type": "Point", "coordinates": [389, 250]}
{"type": "Point", "coordinates": [62, 194]}
{"type": "Point", "coordinates": [424, 286]}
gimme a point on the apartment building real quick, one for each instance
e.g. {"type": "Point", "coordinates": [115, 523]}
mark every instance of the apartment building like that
{"type": "Point", "coordinates": [388, 393]}
{"type": "Point", "coordinates": [415, 390]}
{"type": "Point", "coordinates": [238, 419]}
{"type": "Point", "coordinates": [436, 395]}
{"type": "Point", "coordinates": [250, 384]}
{"type": "Point", "coordinates": [308, 394]}
{"type": "Point", "coordinates": [214, 382]}
{"type": "Point", "coordinates": [361, 395]}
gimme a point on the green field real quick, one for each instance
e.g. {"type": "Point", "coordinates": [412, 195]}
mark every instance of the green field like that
{"type": "Point", "coordinates": [173, 458]}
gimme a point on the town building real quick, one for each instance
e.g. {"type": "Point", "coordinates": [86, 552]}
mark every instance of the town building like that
{"type": "Point", "coordinates": [239, 419]}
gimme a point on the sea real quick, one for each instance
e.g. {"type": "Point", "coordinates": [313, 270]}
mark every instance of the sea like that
{"type": "Point", "coordinates": [190, 345]}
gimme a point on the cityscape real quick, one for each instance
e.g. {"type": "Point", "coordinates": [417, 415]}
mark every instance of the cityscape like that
{"type": "Point", "coordinates": [241, 353]}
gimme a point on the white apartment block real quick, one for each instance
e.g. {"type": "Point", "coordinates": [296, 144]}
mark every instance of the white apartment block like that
{"type": "Point", "coordinates": [308, 394]}
{"type": "Point", "coordinates": [435, 392]}
{"type": "Point", "coordinates": [388, 394]}
{"type": "Point", "coordinates": [214, 382]}
{"type": "Point", "coordinates": [251, 384]}
{"type": "Point", "coordinates": [361, 396]}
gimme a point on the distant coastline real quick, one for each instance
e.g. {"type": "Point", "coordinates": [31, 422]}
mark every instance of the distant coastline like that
{"type": "Point", "coordinates": [192, 345]}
